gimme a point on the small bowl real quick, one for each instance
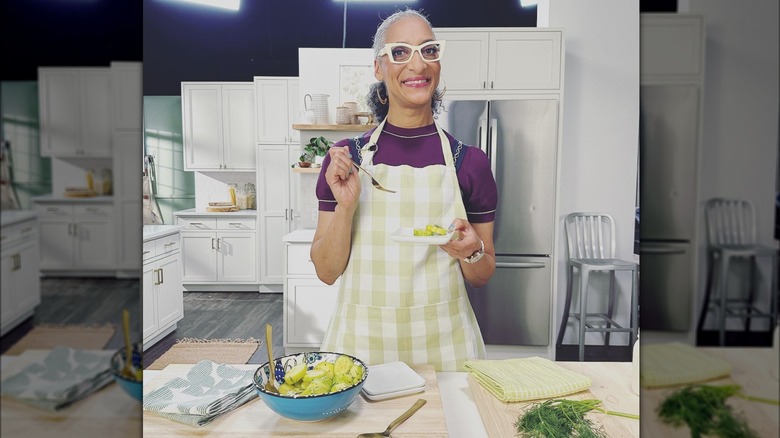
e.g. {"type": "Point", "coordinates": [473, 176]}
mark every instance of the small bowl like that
{"type": "Point", "coordinates": [131, 386]}
{"type": "Point", "coordinates": [309, 407]}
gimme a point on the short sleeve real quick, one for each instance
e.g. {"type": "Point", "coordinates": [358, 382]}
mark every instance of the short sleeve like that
{"type": "Point", "coordinates": [478, 186]}
{"type": "Point", "coordinates": [326, 200]}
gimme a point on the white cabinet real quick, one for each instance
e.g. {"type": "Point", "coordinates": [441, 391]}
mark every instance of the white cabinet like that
{"type": "Point", "coordinates": [163, 297]}
{"type": "Point", "coordinates": [277, 107]}
{"type": "Point", "coordinates": [218, 250]}
{"type": "Point", "coordinates": [218, 124]}
{"type": "Point", "coordinates": [128, 148]}
{"type": "Point", "coordinates": [76, 236]}
{"type": "Point", "coordinates": [126, 95]}
{"type": "Point", "coordinates": [20, 285]}
{"type": "Point", "coordinates": [75, 111]}
{"type": "Point", "coordinates": [308, 302]}
{"type": "Point", "coordinates": [501, 59]}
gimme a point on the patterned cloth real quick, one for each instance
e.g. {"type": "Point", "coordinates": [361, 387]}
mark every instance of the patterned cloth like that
{"type": "Point", "coordinates": [405, 302]}
{"type": "Point", "coordinates": [208, 391]}
{"type": "Point", "coordinates": [675, 363]}
{"type": "Point", "coordinates": [62, 377]}
{"type": "Point", "coordinates": [530, 378]}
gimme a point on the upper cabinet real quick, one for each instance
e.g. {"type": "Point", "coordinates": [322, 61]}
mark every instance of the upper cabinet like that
{"type": "Point", "coordinates": [75, 111]}
{"type": "Point", "coordinates": [501, 59]}
{"type": "Point", "coordinates": [127, 92]}
{"type": "Point", "coordinates": [277, 109]}
{"type": "Point", "coordinates": [218, 123]}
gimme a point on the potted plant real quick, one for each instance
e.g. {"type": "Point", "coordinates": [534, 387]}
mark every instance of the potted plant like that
{"type": "Point", "coordinates": [315, 150]}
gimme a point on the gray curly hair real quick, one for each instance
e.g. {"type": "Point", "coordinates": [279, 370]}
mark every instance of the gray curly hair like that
{"type": "Point", "coordinates": [378, 89]}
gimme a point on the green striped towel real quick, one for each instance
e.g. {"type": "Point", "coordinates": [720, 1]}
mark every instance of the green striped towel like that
{"type": "Point", "coordinates": [676, 363]}
{"type": "Point", "coordinates": [530, 378]}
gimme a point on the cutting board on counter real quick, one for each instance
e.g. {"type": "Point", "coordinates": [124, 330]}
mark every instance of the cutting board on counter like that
{"type": "Point", "coordinates": [256, 419]}
{"type": "Point", "coordinates": [610, 384]}
{"type": "Point", "coordinates": [221, 207]}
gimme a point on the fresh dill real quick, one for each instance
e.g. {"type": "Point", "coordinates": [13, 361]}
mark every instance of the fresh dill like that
{"type": "Point", "coordinates": [562, 418]}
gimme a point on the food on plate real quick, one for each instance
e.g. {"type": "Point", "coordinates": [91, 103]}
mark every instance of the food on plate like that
{"type": "Point", "coordinates": [430, 230]}
{"type": "Point", "coordinates": [323, 378]}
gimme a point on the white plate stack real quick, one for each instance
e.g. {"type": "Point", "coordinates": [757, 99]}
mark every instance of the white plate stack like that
{"type": "Point", "coordinates": [390, 380]}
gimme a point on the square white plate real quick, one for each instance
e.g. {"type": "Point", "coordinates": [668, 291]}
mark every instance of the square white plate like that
{"type": "Point", "coordinates": [406, 235]}
{"type": "Point", "coordinates": [392, 379]}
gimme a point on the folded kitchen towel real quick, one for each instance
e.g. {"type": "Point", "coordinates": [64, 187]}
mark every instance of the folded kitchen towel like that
{"type": "Point", "coordinates": [208, 391]}
{"type": "Point", "coordinates": [63, 376]}
{"type": "Point", "coordinates": [530, 378]}
{"type": "Point", "coordinates": [675, 363]}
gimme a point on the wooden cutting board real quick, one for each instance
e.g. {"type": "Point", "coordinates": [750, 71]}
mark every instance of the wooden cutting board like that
{"type": "Point", "coordinates": [610, 384]}
{"type": "Point", "coordinates": [256, 419]}
{"type": "Point", "coordinates": [221, 208]}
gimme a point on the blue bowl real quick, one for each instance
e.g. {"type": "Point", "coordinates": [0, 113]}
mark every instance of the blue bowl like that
{"type": "Point", "coordinates": [310, 407]}
{"type": "Point", "coordinates": [131, 386]}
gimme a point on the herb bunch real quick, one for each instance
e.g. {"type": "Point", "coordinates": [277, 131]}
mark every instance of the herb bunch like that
{"type": "Point", "coordinates": [562, 418]}
{"type": "Point", "coordinates": [704, 410]}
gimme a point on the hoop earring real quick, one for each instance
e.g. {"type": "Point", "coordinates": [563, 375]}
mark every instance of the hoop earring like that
{"type": "Point", "coordinates": [443, 90]}
{"type": "Point", "coordinates": [379, 96]}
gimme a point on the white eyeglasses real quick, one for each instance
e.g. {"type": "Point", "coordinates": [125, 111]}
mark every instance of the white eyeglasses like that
{"type": "Point", "coordinates": [401, 53]}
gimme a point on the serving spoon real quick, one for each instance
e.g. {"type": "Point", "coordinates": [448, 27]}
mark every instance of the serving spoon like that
{"type": "Point", "coordinates": [269, 385]}
{"type": "Point", "coordinates": [397, 422]}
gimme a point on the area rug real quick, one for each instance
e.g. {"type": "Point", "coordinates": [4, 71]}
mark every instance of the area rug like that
{"type": "Point", "coordinates": [47, 336]}
{"type": "Point", "coordinates": [191, 351]}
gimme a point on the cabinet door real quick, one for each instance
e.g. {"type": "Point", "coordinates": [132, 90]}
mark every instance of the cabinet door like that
{"type": "Point", "coordinates": [273, 125]}
{"type": "Point", "coordinates": [236, 257]}
{"type": "Point", "coordinates": [129, 242]}
{"type": "Point", "coordinates": [56, 243]}
{"type": "Point", "coordinates": [465, 61]}
{"type": "Point", "coordinates": [273, 209]}
{"type": "Point", "coordinates": [60, 116]}
{"type": "Point", "coordinates": [7, 286]}
{"type": "Point", "coordinates": [128, 146]}
{"type": "Point", "coordinates": [202, 119]}
{"type": "Point", "coordinates": [238, 129]}
{"type": "Point", "coordinates": [294, 104]}
{"type": "Point", "coordinates": [309, 305]}
{"type": "Point", "coordinates": [524, 60]}
{"type": "Point", "coordinates": [149, 281]}
{"type": "Point", "coordinates": [126, 95]}
{"type": "Point", "coordinates": [170, 298]}
{"type": "Point", "coordinates": [96, 128]}
{"type": "Point", "coordinates": [27, 291]}
{"type": "Point", "coordinates": [198, 257]}
{"type": "Point", "coordinates": [94, 243]}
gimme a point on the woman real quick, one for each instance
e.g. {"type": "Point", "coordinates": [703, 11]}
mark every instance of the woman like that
{"type": "Point", "coordinates": [403, 301]}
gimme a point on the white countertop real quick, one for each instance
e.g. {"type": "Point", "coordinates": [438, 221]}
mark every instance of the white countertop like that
{"type": "Point", "coordinates": [303, 235]}
{"type": "Point", "coordinates": [194, 212]}
{"type": "Point", "coordinates": [152, 232]}
{"type": "Point", "coordinates": [10, 217]}
{"type": "Point", "coordinates": [62, 198]}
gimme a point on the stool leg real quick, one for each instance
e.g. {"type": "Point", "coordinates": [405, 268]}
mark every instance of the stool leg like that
{"type": "Point", "coordinates": [707, 290]}
{"type": "Point", "coordinates": [722, 288]}
{"type": "Point", "coordinates": [584, 274]}
{"type": "Point", "coordinates": [610, 305]}
{"type": "Point", "coordinates": [566, 305]}
{"type": "Point", "coordinates": [751, 291]}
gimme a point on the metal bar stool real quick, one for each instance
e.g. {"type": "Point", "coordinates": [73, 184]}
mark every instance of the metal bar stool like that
{"type": "Point", "coordinates": [591, 244]}
{"type": "Point", "coordinates": [731, 234]}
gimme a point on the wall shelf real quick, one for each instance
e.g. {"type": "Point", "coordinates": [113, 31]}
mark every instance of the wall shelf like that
{"type": "Point", "coordinates": [297, 169]}
{"type": "Point", "coordinates": [311, 127]}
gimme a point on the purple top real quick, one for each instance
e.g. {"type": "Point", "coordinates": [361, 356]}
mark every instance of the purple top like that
{"type": "Point", "coordinates": [477, 184]}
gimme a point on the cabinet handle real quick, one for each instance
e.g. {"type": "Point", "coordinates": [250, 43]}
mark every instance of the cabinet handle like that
{"type": "Point", "coordinates": [75, 229]}
{"type": "Point", "coordinates": [235, 224]}
{"type": "Point", "coordinates": [491, 84]}
{"type": "Point", "coordinates": [285, 215]}
{"type": "Point", "coordinates": [26, 230]}
{"type": "Point", "coordinates": [147, 252]}
{"type": "Point", "coordinates": [52, 209]}
{"type": "Point", "coordinates": [212, 243]}
{"type": "Point", "coordinates": [162, 276]}
{"type": "Point", "coordinates": [291, 214]}
{"type": "Point", "coordinates": [484, 84]}
{"type": "Point", "coordinates": [70, 229]}
{"type": "Point", "coordinates": [218, 239]}
{"type": "Point", "coordinates": [17, 263]}
{"type": "Point", "coordinates": [169, 244]}
{"type": "Point", "coordinates": [157, 274]}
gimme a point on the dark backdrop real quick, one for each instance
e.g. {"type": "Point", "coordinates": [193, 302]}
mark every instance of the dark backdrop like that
{"type": "Point", "coordinates": [180, 42]}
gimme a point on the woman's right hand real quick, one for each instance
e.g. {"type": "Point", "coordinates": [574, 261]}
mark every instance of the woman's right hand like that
{"type": "Point", "coordinates": [342, 178]}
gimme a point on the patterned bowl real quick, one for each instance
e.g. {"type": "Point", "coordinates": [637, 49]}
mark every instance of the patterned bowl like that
{"type": "Point", "coordinates": [306, 407]}
{"type": "Point", "coordinates": [134, 387]}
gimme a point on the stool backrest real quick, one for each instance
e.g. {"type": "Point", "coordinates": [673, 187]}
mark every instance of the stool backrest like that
{"type": "Point", "coordinates": [590, 235]}
{"type": "Point", "coordinates": [730, 221]}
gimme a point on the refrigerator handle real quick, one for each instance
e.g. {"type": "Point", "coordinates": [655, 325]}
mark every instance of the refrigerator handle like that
{"type": "Point", "coordinates": [482, 138]}
{"type": "Point", "coordinates": [520, 265]}
{"type": "Point", "coordinates": [660, 251]}
{"type": "Point", "coordinates": [493, 134]}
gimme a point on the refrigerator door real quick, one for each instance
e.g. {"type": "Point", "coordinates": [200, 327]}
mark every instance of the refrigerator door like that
{"type": "Point", "coordinates": [522, 135]}
{"type": "Point", "coordinates": [668, 139]}
{"type": "Point", "coordinates": [514, 307]}
{"type": "Point", "coordinates": [466, 120]}
{"type": "Point", "coordinates": [665, 283]}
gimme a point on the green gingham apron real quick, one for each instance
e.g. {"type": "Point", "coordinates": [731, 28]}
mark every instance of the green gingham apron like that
{"type": "Point", "coordinates": [400, 301]}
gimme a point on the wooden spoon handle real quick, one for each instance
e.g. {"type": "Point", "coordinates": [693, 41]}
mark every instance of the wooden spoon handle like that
{"type": "Point", "coordinates": [268, 332]}
{"type": "Point", "coordinates": [405, 416]}
{"type": "Point", "coordinates": [126, 330]}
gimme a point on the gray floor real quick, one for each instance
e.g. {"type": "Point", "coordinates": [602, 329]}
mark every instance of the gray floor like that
{"type": "Point", "coordinates": [223, 315]}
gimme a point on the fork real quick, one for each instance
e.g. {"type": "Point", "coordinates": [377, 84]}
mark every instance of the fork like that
{"type": "Point", "coordinates": [373, 181]}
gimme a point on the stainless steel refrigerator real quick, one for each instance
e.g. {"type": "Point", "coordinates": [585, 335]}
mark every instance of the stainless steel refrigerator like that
{"type": "Point", "coordinates": [520, 138]}
{"type": "Point", "coordinates": [669, 124]}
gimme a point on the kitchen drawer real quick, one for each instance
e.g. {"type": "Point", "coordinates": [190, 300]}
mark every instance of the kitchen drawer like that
{"type": "Point", "coordinates": [236, 224]}
{"type": "Point", "coordinates": [149, 250]}
{"type": "Point", "coordinates": [167, 244]}
{"type": "Point", "coordinates": [299, 261]}
{"type": "Point", "coordinates": [54, 210]}
{"type": "Point", "coordinates": [96, 210]}
{"type": "Point", "coordinates": [18, 234]}
{"type": "Point", "coordinates": [197, 223]}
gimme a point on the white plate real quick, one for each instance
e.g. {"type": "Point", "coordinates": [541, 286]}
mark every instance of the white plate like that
{"type": "Point", "coordinates": [406, 235]}
{"type": "Point", "coordinates": [392, 379]}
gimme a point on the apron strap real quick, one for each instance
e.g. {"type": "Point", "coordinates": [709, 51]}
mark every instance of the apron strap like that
{"type": "Point", "coordinates": [457, 147]}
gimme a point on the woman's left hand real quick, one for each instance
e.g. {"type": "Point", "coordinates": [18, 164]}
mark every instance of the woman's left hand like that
{"type": "Point", "coordinates": [467, 243]}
